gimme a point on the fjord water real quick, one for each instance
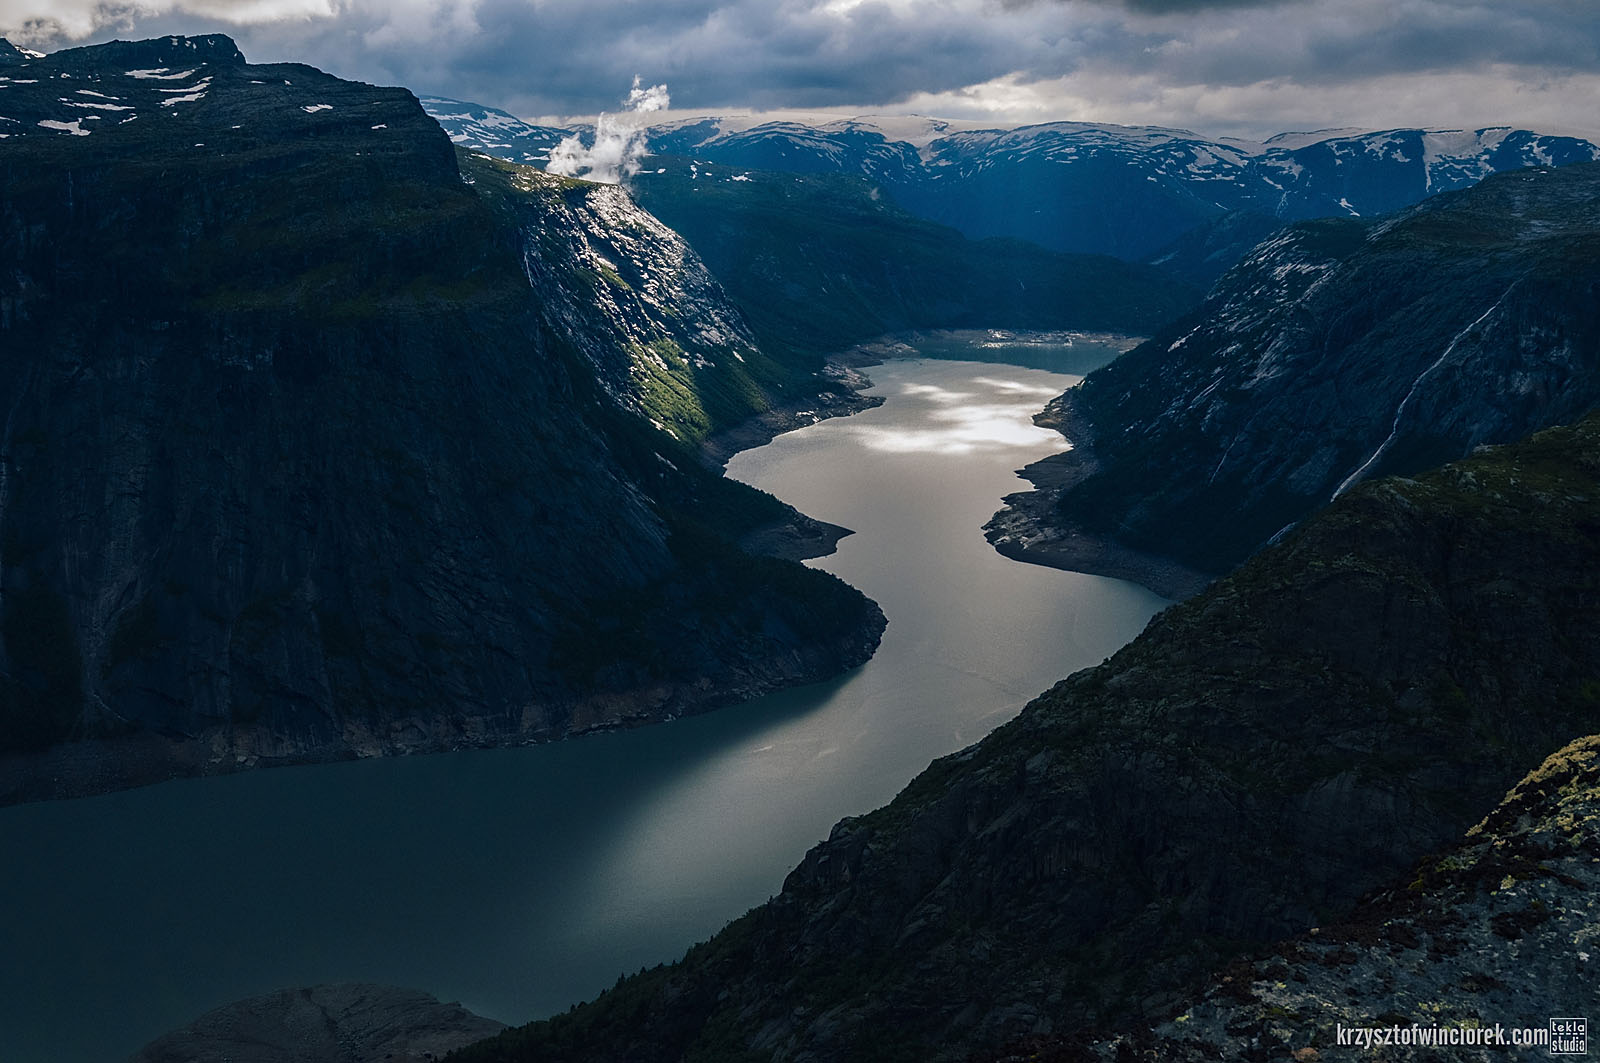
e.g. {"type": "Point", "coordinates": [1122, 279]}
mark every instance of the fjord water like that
{"type": "Point", "coordinates": [520, 881]}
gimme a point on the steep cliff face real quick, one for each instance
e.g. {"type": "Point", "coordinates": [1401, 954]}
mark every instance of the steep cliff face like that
{"type": "Point", "coordinates": [1495, 937]}
{"type": "Point", "coordinates": [635, 301]}
{"type": "Point", "coordinates": [1336, 352]}
{"type": "Point", "coordinates": [1264, 755]}
{"type": "Point", "coordinates": [297, 464]}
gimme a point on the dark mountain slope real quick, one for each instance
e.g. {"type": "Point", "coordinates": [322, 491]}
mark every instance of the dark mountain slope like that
{"type": "Point", "coordinates": [1203, 254]}
{"type": "Point", "coordinates": [1337, 351]}
{"type": "Point", "coordinates": [1262, 756]}
{"type": "Point", "coordinates": [819, 263]}
{"type": "Point", "coordinates": [297, 463]}
{"type": "Point", "coordinates": [1491, 939]}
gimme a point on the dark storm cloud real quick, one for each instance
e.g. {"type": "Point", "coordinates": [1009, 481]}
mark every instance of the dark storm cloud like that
{"type": "Point", "coordinates": [1334, 44]}
{"type": "Point", "coordinates": [580, 56]}
{"type": "Point", "coordinates": [1157, 7]}
{"type": "Point", "coordinates": [568, 58]}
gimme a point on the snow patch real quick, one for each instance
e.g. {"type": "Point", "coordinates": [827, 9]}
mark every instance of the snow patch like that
{"type": "Point", "coordinates": [65, 127]}
{"type": "Point", "coordinates": [313, 108]}
{"type": "Point", "coordinates": [203, 83]}
{"type": "Point", "coordinates": [1298, 140]}
{"type": "Point", "coordinates": [159, 73]}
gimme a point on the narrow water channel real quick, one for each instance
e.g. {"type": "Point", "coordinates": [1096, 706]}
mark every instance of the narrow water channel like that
{"type": "Point", "coordinates": [520, 881]}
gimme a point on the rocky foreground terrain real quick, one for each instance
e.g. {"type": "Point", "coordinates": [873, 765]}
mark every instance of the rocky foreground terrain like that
{"type": "Point", "coordinates": [345, 1022]}
{"type": "Point", "coordinates": [317, 442]}
{"type": "Point", "coordinates": [1494, 936]}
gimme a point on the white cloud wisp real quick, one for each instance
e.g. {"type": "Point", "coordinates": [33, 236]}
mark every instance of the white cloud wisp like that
{"type": "Point", "coordinates": [619, 140]}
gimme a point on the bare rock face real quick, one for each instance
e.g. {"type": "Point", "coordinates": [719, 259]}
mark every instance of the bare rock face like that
{"type": "Point", "coordinates": [342, 1023]}
{"type": "Point", "coordinates": [1336, 352]}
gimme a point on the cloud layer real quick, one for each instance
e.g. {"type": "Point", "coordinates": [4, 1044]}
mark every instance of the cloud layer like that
{"type": "Point", "coordinates": [1225, 66]}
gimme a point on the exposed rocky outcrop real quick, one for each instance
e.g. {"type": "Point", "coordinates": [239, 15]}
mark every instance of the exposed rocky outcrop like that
{"type": "Point", "coordinates": [302, 455]}
{"type": "Point", "coordinates": [1263, 756]}
{"type": "Point", "coordinates": [342, 1023]}
{"type": "Point", "coordinates": [1336, 352]}
{"type": "Point", "coordinates": [1497, 936]}
{"type": "Point", "coordinates": [635, 300]}
{"type": "Point", "coordinates": [1204, 253]}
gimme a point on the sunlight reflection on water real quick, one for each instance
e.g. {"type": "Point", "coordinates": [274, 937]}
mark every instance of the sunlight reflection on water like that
{"type": "Point", "coordinates": [519, 881]}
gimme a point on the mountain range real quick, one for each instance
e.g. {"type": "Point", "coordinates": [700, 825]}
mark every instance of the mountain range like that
{"type": "Point", "coordinates": [1125, 191]}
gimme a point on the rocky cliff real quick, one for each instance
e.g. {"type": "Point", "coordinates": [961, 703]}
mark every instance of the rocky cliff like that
{"type": "Point", "coordinates": [1262, 757]}
{"type": "Point", "coordinates": [636, 302]}
{"type": "Point", "coordinates": [303, 455]}
{"type": "Point", "coordinates": [1491, 939]}
{"type": "Point", "coordinates": [1337, 351]}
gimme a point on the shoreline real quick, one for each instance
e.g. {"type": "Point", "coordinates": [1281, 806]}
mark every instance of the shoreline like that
{"type": "Point", "coordinates": [112, 764]}
{"type": "Point", "coordinates": [1024, 528]}
{"type": "Point", "coordinates": [799, 537]}
{"type": "Point", "coordinates": [1027, 527]}
{"type": "Point", "coordinates": [842, 400]}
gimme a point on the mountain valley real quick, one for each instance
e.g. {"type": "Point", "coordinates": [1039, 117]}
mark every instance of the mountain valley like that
{"type": "Point", "coordinates": [333, 427]}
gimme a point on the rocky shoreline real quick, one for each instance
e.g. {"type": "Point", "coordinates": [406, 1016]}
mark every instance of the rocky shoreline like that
{"type": "Point", "coordinates": [1029, 526]}
{"type": "Point", "coordinates": [105, 765]}
{"type": "Point", "coordinates": [840, 397]}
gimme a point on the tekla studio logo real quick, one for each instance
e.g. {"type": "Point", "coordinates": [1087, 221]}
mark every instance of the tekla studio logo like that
{"type": "Point", "coordinates": [1569, 1036]}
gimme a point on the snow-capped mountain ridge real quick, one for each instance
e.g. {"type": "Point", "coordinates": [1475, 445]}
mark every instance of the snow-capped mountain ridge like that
{"type": "Point", "coordinates": [1099, 187]}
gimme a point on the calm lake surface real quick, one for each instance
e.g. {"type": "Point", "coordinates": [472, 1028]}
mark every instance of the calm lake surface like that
{"type": "Point", "coordinates": [521, 881]}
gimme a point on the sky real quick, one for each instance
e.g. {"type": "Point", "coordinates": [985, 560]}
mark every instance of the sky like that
{"type": "Point", "coordinates": [1246, 68]}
